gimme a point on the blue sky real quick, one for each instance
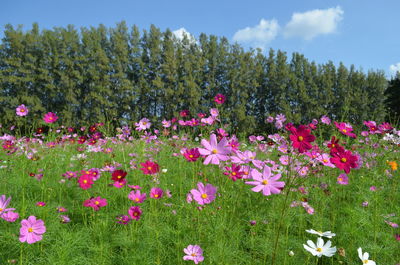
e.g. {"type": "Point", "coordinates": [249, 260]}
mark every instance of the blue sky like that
{"type": "Point", "coordinates": [359, 32]}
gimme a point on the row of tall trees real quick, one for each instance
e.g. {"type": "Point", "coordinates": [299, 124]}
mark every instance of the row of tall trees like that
{"type": "Point", "coordinates": [122, 74]}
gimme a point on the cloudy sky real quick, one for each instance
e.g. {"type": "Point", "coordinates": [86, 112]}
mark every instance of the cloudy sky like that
{"type": "Point", "coordinates": [360, 32]}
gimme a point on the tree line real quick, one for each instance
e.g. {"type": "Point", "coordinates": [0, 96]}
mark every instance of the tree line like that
{"type": "Point", "coordinates": [122, 74]}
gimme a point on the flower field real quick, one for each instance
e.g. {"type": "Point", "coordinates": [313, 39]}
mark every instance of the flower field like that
{"type": "Point", "coordinates": [186, 191]}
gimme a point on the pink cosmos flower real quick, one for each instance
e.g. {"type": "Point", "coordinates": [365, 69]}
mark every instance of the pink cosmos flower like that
{"type": "Point", "coordinates": [219, 99]}
{"type": "Point", "coordinates": [10, 216]}
{"type": "Point", "coordinates": [204, 195]}
{"type": "Point", "coordinates": [50, 117]}
{"type": "Point", "coordinates": [193, 252]}
{"type": "Point", "coordinates": [325, 120]}
{"type": "Point", "coordinates": [343, 179]}
{"type": "Point", "coordinates": [150, 167]}
{"type": "Point", "coordinates": [123, 219]}
{"type": "Point", "coordinates": [3, 205]}
{"type": "Point", "coordinates": [137, 196]}
{"type": "Point", "coordinates": [40, 204]}
{"type": "Point", "coordinates": [215, 151]}
{"type": "Point", "coordinates": [345, 129]}
{"type": "Point", "coordinates": [22, 110]}
{"type": "Point", "coordinates": [95, 203]}
{"type": "Point", "coordinates": [135, 212]}
{"type": "Point", "coordinates": [266, 182]}
{"type": "Point", "coordinates": [31, 230]}
{"type": "Point", "coordinates": [143, 124]}
{"type": "Point", "coordinates": [156, 193]}
{"type": "Point", "coordinates": [120, 184]}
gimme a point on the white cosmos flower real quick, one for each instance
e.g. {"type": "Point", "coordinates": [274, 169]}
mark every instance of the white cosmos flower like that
{"type": "Point", "coordinates": [320, 249]}
{"type": "Point", "coordinates": [326, 234]}
{"type": "Point", "coordinates": [364, 257]}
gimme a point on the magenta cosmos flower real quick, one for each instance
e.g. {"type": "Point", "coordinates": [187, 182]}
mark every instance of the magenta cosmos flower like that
{"type": "Point", "coordinates": [215, 151]}
{"type": "Point", "coordinates": [345, 129]}
{"type": "Point", "coordinates": [31, 230]}
{"type": "Point", "coordinates": [204, 195]}
{"type": "Point", "coordinates": [344, 160]}
{"type": "Point", "coordinates": [95, 203]}
{"type": "Point", "coordinates": [191, 155]}
{"type": "Point", "coordinates": [85, 181]}
{"type": "Point", "coordinates": [22, 110]}
{"type": "Point", "coordinates": [3, 205]}
{"type": "Point", "coordinates": [301, 138]}
{"type": "Point", "coordinates": [136, 196]}
{"type": "Point", "coordinates": [343, 179]}
{"type": "Point", "coordinates": [193, 252]}
{"type": "Point", "coordinates": [266, 182]}
{"type": "Point", "coordinates": [135, 212]}
{"type": "Point", "coordinates": [156, 193]}
{"type": "Point", "coordinates": [149, 168]}
{"type": "Point", "coordinates": [219, 99]}
{"type": "Point", "coordinates": [50, 117]}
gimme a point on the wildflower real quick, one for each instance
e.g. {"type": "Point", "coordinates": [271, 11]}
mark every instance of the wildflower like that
{"type": "Point", "coordinates": [365, 257]}
{"type": "Point", "coordinates": [343, 179]}
{"type": "Point", "coordinates": [120, 184]}
{"type": "Point", "coordinates": [234, 172]}
{"type": "Point", "coordinates": [392, 164]}
{"type": "Point", "coordinates": [291, 253]}
{"type": "Point", "coordinates": [40, 204]}
{"type": "Point", "coordinates": [85, 181]}
{"type": "Point", "coordinates": [253, 222]}
{"type": "Point", "coordinates": [327, 234]}
{"type": "Point", "coordinates": [266, 182]}
{"type": "Point", "coordinates": [219, 99]}
{"type": "Point", "coordinates": [193, 252]}
{"type": "Point", "coordinates": [325, 120]}
{"type": "Point", "coordinates": [345, 129]}
{"type": "Point", "coordinates": [64, 219]}
{"type": "Point", "coordinates": [204, 194]}
{"type": "Point", "coordinates": [397, 237]}
{"type": "Point", "coordinates": [135, 212]}
{"type": "Point", "coordinates": [31, 230]}
{"type": "Point", "coordinates": [270, 119]}
{"type": "Point", "coordinates": [156, 193]}
{"type": "Point", "coordinates": [320, 249]}
{"type": "Point", "coordinates": [301, 138]}
{"type": "Point", "coordinates": [22, 110]}
{"type": "Point", "coordinates": [136, 196]}
{"type": "Point", "coordinates": [372, 188]}
{"type": "Point", "coordinates": [191, 155]}
{"type": "Point", "coordinates": [365, 204]}
{"type": "Point", "coordinates": [50, 117]}
{"type": "Point", "coordinates": [118, 175]}
{"type": "Point", "coordinates": [10, 216]}
{"type": "Point", "coordinates": [215, 151]}
{"type": "Point", "coordinates": [3, 205]}
{"type": "Point", "coordinates": [143, 124]}
{"type": "Point", "coordinates": [150, 168]}
{"type": "Point", "coordinates": [95, 203]}
{"type": "Point", "coordinates": [61, 209]}
{"type": "Point", "coordinates": [123, 219]}
{"type": "Point", "coordinates": [344, 160]}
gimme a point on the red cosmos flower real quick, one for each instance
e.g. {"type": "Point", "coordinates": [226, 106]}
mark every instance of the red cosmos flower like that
{"type": "Point", "coordinates": [345, 129]}
{"type": "Point", "coordinates": [150, 168]}
{"type": "Point", "coordinates": [191, 155]}
{"type": "Point", "coordinates": [85, 181]}
{"type": "Point", "coordinates": [301, 138]}
{"type": "Point", "coordinates": [184, 113]}
{"type": "Point", "coordinates": [82, 139]}
{"type": "Point", "coordinates": [344, 160]}
{"type": "Point", "coordinates": [219, 99]}
{"type": "Point", "coordinates": [334, 145]}
{"type": "Point", "coordinates": [118, 175]}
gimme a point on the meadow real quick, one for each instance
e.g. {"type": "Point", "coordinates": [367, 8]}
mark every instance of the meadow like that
{"type": "Point", "coordinates": [185, 191]}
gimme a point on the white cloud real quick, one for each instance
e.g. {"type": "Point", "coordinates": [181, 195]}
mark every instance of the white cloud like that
{"type": "Point", "coordinates": [180, 33]}
{"type": "Point", "coordinates": [259, 35]}
{"type": "Point", "coordinates": [309, 24]}
{"type": "Point", "coordinates": [394, 68]}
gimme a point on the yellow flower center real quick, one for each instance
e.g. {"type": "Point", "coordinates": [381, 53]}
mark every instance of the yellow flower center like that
{"type": "Point", "coordinates": [30, 230]}
{"type": "Point", "coordinates": [149, 168]}
{"type": "Point", "coordinates": [156, 195]}
{"type": "Point", "coordinates": [365, 261]}
{"type": "Point", "coordinates": [119, 177]}
{"type": "Point", "coordinates": [193, 254]}
{"type": "Point", "coordinates": [234, 173]}
{"type": "Point", "coordinates": [137, 199]}
{"type": "Point", "coordinates": [325, 161]}
{"type": "Point", "coordinates": [333, 145]}
{"type": "Point", "coordinates": [300, 138]}
{"type": "Point", "coordinates": [204, 196]}
{"type": "Point", "coordinates": [22, 110]}
{"type": "Point", "coordinates": [144, 123]}
{"type": "Point", "coordinates": [85, 181]}
{"type": "Point", "coordinates": [96, 202]}
{"type": "Point", "coordinates": [135, 214]}
{"type": "Point", "coordinates": [1, 209]}
{"type": "Point", "coordinates": [340, 179]}
{"type": "Point", "coordinates": [214, 151]}
{"type": "Point", "coordinates": [344, 160]}
{"type": "Point", "coordinates": [265, 182]}
{"type": "Point", "coordinates": [190, 156]}
{"type": "Point", "coordinates": [344, 130]}
{"type": "Point", "coordinates": [319, 249]}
